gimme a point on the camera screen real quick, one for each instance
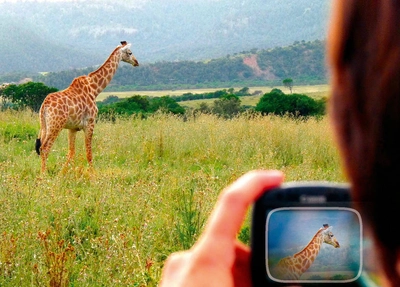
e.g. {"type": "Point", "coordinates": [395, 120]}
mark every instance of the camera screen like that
{"type": "Point", "coordinates": [313, 244]}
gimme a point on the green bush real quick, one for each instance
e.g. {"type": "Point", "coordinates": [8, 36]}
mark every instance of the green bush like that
{"type": "Point", "coordinates": [140, 105]}
{"type": "Point", "coordinates": [278, 103]}
{"type": "Point", "coordinates": [165, 104]}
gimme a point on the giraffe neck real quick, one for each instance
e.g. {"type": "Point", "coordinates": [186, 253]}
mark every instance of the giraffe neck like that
{"type": "Point", "coordinates": [103, 75]}
{"type": "Point", "coordinates": [307, 255]}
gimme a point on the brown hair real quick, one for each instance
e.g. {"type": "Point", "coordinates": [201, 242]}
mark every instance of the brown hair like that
{"type": "Point", "coordinates": [363, 51]}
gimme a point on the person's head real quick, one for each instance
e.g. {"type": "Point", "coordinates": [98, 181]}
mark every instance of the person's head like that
{"type": "Point", "coordinates": [363, 52]}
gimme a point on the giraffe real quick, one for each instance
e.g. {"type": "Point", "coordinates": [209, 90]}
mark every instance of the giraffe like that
{"type": "Point", "coordinates": [292, 267]}
{"type": "Point", "coordinates": [75, 108]}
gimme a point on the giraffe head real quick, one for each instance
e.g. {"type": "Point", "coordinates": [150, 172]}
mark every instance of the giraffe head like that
{"type": "Point", "coordinates": [328, 236]}
{"type": "Point", "coordinates": [126, 54]}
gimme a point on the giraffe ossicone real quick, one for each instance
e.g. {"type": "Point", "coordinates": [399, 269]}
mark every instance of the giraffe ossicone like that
{"type": "Point", "coordinates": [126, 46]}
{"type": "Point", "coordinates": [75, 109]}
{"type": "Point", "coordinates": [292, 267]}
{"type": "Point", "coordinates": [327, 229]}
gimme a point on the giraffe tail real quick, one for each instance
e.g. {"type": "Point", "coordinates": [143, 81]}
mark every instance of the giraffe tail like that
{"type": "Point", "coordinates": [37, 146]}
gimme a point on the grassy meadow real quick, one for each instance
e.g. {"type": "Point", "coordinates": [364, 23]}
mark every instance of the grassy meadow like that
{"type": "Point", "coordinates": [153, 185]}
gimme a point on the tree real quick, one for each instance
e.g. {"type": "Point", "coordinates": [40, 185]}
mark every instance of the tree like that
{"type": "Point", "coordinates": [132, 105]}
{"type": "Point", "coordinates": [274, 102]}
{"type": "Point", "coordinates": [278, 103]}
{"type": "Point", "coordinates": [29, 95]}
{"type": "Point", "coordinates": [227, 106]}
{"type": "Point", "coordinates": [5, 98]}
{"type": "Point", "coordinates": [243, 92]}
{"type": "Point", "coordinates": [288, 83]}
{"type": "Point", "coordinates": [204, 108]}
{"type": "Point", "coordinates": [110, 100]}
{"type": "Point", "coordinates": [165, 104]}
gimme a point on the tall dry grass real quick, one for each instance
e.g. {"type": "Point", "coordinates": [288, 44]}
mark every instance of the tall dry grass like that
{"type": "Point", "coordinates": [154, 184]}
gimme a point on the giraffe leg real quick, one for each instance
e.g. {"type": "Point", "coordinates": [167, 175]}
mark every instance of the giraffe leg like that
{"type": "Point", "coordinates": [43, 156]}
{"type": "Point", "coordinates": [71, 145]}
{"type": "Point", "coordinates": [88, 142]}
{"type": "Point", "coordinates": [46, 147]}
{"type": "Point", "coordinates": [71, 150]}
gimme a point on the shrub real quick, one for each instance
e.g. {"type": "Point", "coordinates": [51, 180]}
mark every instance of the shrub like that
{"type": "Point", "coordinates": [278, 103]}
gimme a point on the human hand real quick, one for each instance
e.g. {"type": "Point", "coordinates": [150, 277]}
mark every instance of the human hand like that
{"type": "Point", "coordinates": [218, 258]}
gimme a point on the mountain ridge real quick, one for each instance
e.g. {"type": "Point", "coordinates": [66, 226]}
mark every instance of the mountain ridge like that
{"type": "Point", "coordinates": [54, 36]}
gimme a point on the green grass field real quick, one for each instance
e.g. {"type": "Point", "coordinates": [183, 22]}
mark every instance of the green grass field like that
{"type": "Point", "coordinates": [152, 188]}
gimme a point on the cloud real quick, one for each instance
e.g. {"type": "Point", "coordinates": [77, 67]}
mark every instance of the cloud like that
{"type": "Point", "coordinates": [98, 31]}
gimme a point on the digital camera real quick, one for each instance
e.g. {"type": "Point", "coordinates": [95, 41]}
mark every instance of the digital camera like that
{"type": "Point", "coordinates": [309, 234]}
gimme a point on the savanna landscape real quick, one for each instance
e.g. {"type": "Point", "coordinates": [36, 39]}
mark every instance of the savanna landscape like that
{"type": "Point", "coordinates": [157, 170]}
{"type": "Point", "coordinates": [152, 187]}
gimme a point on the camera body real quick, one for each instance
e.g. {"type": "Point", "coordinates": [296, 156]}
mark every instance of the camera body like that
{"type": "Point", "coordinates": [307, 234]}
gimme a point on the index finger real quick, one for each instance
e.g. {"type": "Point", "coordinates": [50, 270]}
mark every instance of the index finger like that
{"type": "Point", "coordinates": [230, 210]}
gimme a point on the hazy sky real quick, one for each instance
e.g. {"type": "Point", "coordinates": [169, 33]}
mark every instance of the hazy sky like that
{"type": "Point", "coordinates": [3, 1]}
{"type": "Point", "coordinates": [301, 225]}
{"type": "Point", "coordinates": [91, 1]}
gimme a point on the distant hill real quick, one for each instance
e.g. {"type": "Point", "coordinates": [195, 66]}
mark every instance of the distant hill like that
{"type": "Point", "coordinates": [303, 62]}
{"type": "Point", "coordinates": [22, 49]}
{"type": "Point", "coordinates": [40, 36]}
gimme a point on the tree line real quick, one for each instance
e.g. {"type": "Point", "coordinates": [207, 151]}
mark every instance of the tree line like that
{"type": "Point", "coordinates": [227, 103]}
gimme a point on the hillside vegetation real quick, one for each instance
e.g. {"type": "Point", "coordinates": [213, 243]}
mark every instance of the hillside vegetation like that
{"type": "Point", "coordinates": [53, 36]}
{"type": "Point", "coordinates": [303, 62]}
